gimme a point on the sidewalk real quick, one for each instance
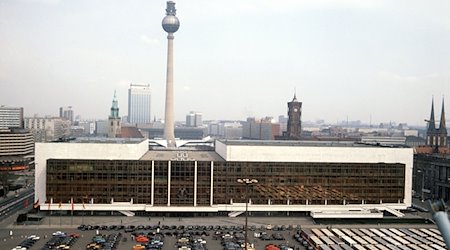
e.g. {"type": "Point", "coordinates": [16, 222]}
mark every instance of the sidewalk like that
{"type": "Point", "coordinates": [67, 222]}
{"type": "Point", "coordinates": [75, 221]}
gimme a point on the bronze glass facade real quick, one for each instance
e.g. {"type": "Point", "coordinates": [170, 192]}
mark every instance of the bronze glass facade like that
{"type": "Point", "coordinates": [279, 183]}
{"type": "Point", "coordinates": [310, 183]}
{"type": "Point", "coordinates": [100, 180]}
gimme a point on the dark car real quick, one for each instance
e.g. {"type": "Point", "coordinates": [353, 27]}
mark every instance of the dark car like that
{"type": "Point", "coordinates": [129, 229]}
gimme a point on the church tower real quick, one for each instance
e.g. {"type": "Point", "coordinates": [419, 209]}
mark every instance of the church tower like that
{"type": "Point", "coordinates": [114, 126]}
{"type": "Point", "coordinates": [294, 125]}
{"type": "Point", "coordinates": [437, 137]}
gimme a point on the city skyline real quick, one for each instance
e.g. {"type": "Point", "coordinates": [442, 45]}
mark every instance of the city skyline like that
{"type": "Point", "coordinates": [362, 60]}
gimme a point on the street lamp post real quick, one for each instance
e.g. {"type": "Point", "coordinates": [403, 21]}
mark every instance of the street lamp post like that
{"type": "Point", "coordinates": [247, 182]}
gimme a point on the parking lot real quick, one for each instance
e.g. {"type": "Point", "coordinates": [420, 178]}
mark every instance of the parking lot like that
{"type": "Point", "coordinates": [212, 236]}
{"type": "Point", "coordinates": [209, 230]}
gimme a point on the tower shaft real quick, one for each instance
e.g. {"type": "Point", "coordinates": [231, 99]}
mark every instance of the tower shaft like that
{"type": "Point", "coordinates": [169, 125]}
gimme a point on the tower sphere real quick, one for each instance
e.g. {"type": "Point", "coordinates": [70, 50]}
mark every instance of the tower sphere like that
{"type": "Point", "coordinates": [170, 24]}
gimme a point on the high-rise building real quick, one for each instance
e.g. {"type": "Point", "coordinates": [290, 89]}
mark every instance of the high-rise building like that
{"type": "Point", "coordinates": [139, 97]}
{"type": "Point", "coordinates": [194, 119]}
{"type": "Point", "coordinates": [67, 113]}
{"type": "Point", "coordinates": [170, 24]}
{"type": "Point", "coordinates": [294, 125]}
{"type": "Point", "coordinates": [11, 117]}
{"type": "Point", "coordinates": [114, 119]}
{"type": "Point", "coordinates": [437, 137]}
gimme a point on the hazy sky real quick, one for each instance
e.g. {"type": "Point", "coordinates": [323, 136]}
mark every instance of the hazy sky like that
{"type": "Point", "coordinates": [383, 59]}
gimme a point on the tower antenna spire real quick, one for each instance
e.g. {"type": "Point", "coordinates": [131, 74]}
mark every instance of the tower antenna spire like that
{"type": "Point", "coordinates": [170, 24]}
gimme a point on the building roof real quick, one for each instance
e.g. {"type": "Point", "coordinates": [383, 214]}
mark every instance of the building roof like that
{"type": "Point", "coordinates": [130, 132]}
{"type": "Point", "coordinates": [283, 143]}
{"type": "Point", "coordinates": [431, 150]}
{"type": "Point", "coordinates": [106, 140]}
{"type": "Point", "coordinates": [180, 155]}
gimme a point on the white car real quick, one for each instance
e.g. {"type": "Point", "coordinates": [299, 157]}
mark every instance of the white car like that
{"type": "Point", "coordinates": [59, 233]}
{"type": "Point", "coordinates": [19, 248]}
{"type": "Point", "coordinates": [34, 237]}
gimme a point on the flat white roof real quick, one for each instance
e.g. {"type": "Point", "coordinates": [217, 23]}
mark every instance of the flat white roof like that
{"type": "Point", "coordinates": [283, 143]}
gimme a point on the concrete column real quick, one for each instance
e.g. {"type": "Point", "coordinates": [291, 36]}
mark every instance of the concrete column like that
{"type": "Point", "coordinates": [168, 182]}
{"type": "Point", "coordinates": [169, 127]}
{"type": "Point", "coordinates": [195, 184]}
{"type": "Point", "coordinates": [211, 198]}
{"type": "Point", "coordinates": [152, 198]}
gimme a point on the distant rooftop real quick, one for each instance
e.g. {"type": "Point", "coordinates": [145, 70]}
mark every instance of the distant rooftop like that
{"type": "Point", "coordinates": [283, 143]}
{"type": "Point", "coordinates": [106, 140]}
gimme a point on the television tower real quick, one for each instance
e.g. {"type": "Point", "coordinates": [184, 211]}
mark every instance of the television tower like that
{"type": "Point", "coordinates": [170, 24]}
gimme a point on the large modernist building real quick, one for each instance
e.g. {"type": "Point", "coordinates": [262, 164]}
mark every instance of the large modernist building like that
{"type": "Point", "coordinates": [328, 179]}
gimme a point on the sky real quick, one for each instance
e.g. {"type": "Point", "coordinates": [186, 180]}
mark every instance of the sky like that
{"type": "Point", "coordinates": [377, 61]}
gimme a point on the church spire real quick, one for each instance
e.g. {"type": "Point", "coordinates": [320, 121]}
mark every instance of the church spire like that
{"type": "Point", "coordinates": [442, 127]}
{"type": "Point", "coordinates": [431, 122]}
{"type": "Point", "coordinates": [115, 107]}
{"type": "Point", "coordinates": [295, 95]}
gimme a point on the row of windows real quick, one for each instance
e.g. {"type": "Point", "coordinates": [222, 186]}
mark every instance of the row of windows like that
{"type": "Point", "coordinates": [277, 182]}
